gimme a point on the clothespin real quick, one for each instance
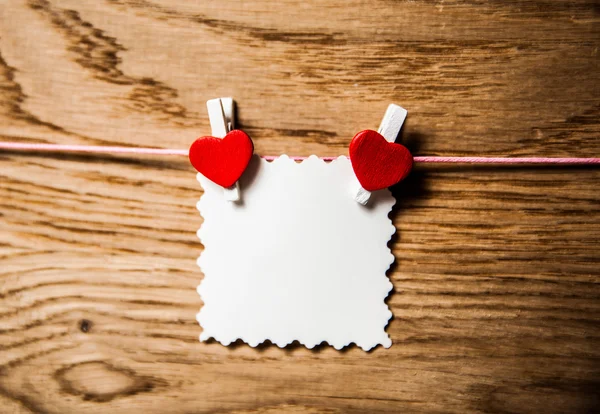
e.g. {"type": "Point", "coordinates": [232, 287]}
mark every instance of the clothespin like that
{"type": "Point", "coordinates": [221, 115]}
{"type": "Point", "coordinates": [390, 127]}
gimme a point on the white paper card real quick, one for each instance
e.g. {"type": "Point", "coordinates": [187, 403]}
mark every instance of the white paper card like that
{"type": "Point", "coordinates": [297, 258]}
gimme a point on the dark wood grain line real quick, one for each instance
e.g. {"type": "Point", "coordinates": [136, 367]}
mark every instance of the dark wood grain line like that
{"type": "Point", "coordinates": [99, 53]}
{"type": "Point", "coordinates": [12, 99]}
{"type": "Point", "coordinates": [226, 27]}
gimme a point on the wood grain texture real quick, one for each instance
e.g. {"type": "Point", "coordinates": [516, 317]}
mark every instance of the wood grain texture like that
{"type": "Point", "coordinates": [497, 280]}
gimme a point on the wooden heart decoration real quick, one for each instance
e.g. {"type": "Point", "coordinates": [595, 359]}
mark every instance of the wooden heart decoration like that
{"type": "Point", "coordinates": [222, 161]}
{"type": "Point", "coordinates": [378, 163]}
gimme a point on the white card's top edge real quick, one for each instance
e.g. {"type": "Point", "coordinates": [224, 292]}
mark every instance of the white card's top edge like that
{"type": "Point", "coordinates": [297, 160]}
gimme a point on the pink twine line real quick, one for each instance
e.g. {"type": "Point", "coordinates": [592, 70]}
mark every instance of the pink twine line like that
{"type": "Point", "coordinates": [18, 146]}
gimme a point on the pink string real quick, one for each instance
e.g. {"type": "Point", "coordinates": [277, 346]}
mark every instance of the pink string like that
{"type": "Point", "coordinates": [507, 160]}
{"type": "Point", "coordinates": [97, 149]}
{"type": "Point", "coordinates": [18, 146]}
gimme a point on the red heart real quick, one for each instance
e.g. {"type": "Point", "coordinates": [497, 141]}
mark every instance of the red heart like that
{"type": "Point", "coordinates": [377, 163]}
{"type": "Point", "coordinates": [222, 161]}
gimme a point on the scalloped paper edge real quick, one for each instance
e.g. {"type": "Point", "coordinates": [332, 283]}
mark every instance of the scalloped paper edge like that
{"type": "Point", "coordinates": [270, 182]}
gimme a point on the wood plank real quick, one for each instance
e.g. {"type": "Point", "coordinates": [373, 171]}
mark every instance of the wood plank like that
{"type": "Point", "coordinates": [497, 274]}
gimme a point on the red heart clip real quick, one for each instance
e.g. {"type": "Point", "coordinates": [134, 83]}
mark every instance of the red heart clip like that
{"type": "Point", "coordinates": [222, 161]}
{"type": "Point", "coordinates": [378, 163]}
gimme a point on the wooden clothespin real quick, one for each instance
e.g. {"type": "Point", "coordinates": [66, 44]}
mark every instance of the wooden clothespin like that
{"type": "Point", "coordinates": [389, 128]}
{"type": "Point", "coordinates": [221, 113]}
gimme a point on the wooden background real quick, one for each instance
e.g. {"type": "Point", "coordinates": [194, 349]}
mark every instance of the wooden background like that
{"type": "Point", "coordinates": [497, 278]}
